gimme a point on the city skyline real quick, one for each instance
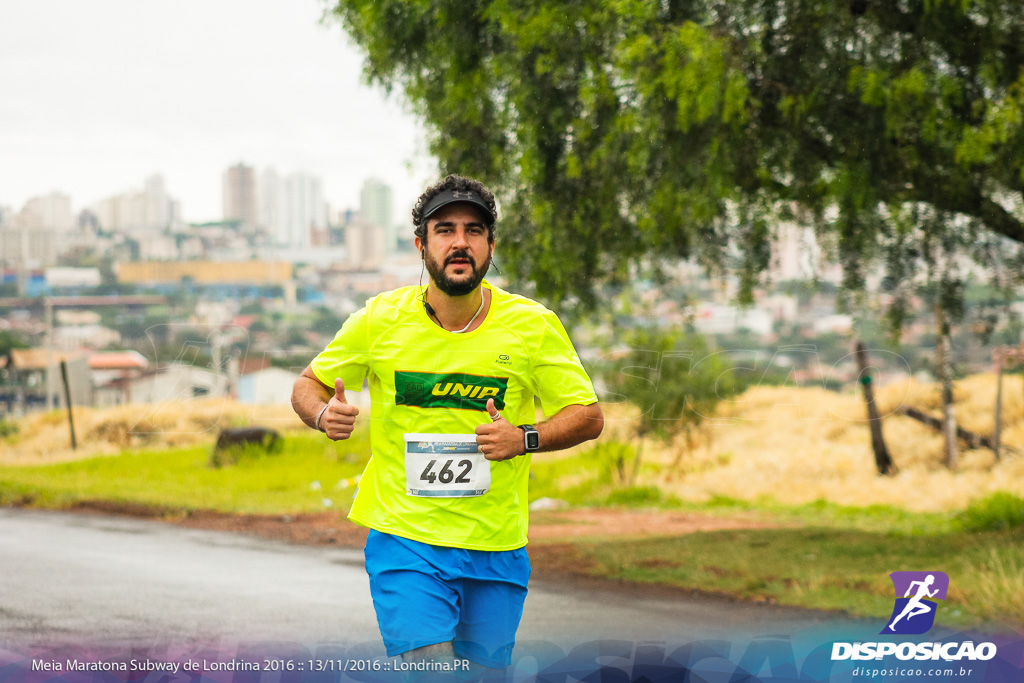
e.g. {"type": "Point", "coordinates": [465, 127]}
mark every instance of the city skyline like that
{"type": "Point", "coordinates": [99, 97]}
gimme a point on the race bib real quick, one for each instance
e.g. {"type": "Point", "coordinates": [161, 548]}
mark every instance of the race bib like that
{"type": "Point", "coordinates": [445, 466]}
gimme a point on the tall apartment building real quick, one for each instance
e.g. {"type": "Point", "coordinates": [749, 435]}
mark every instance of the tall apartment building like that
{"type": "Point", "coordinates": [364, 242]}
{"type": "Point", "coordinates": [31, 237]}
{"type": "Point", "coordinates": [375, 208]}
{"type": "Point", "coordinates": [49, 212]}
{"type": "Point", "coordinates": [157, 206]}
{"type": "Point", "coordinates": [305, 209]}
{"type": "Point", "coordinates": [272, 216]}
{"type": "Point", "coordinates": [239, 196]}
{"type": "Point", "coordinates": [149, 211]}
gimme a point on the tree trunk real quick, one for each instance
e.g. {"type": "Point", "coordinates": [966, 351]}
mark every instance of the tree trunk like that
{"type": "Point", "coordinates": [689, 438]}
{"type": "Point", "coordinates": [636, 462]}
{"type": "Point", "coordinates": [883, 461]}
{"type": "Point", "coordinates": [945, 363]}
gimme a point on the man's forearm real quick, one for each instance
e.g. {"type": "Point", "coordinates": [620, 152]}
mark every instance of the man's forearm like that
{"type": "Point", "coordinates": [309, 397]}
{"type": "Point", "coordinates": [571, 426]}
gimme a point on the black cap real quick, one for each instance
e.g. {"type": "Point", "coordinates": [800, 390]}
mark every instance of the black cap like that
{"type": "Point", "coordinates": [446, 197]}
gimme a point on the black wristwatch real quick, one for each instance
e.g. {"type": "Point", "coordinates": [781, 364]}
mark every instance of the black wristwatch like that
{"type": "Point", "coordinates": [531, 438]}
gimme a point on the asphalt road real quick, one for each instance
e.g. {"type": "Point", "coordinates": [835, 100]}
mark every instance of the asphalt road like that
{"type": "Point", "coordinates": [75, 578]}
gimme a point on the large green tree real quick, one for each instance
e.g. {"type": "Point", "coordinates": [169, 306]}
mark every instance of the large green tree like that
{"type": "Point", "coordinates": [625, 130]}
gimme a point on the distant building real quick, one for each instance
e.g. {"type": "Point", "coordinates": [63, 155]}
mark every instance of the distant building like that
{"type": "Point", "coordinates": [157, 206]}
{"type": "Point", "coordinates": [836, 323]}
{"type": "Point", "coordinates": [175, 382]}
{"type": "Point", "coordinates": [266, 386]}
{"type": "Point", "coordinates": [112, 372]}
{"type": "Point", "coordinates": [50, 212]}
{"type": "Point", "coordinates": [25, 385]}
{"type": "Point", "coordinates": [28, 247]}
{"type": "Point", "coordinates": [65, 277]}
{"type": "Point", "coordinates": [272, 216]}
{"type": "Point", "coordinates": [366, 243]}
{"type": "Point", "coordinates": [140, 212]}
{"type": "Point", "coordinates": [305, 209]}
{"type": "Point", "coordinates": [239, 196]}
{"type": "Point", "coordinates": [375, 207]}
{"type": "Point", "coordinates": [796, 255]}
{"type": "Point", "coordinates": [32, 237]}
{"type": "Point", "coordinates": [715, 319]}
{"type": "Point", "coordinates": [85, 337]}
{"type": "Point", "coordinates": [206, 272]}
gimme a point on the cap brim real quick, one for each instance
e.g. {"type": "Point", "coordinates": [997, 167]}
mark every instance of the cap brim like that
{"type": "Point", "coordinates": [445, 199]}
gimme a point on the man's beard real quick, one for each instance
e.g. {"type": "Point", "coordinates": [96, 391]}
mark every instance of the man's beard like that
{"type": "Point", "coordinates": [457, 287]}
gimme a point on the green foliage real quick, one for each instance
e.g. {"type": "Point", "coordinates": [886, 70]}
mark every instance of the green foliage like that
{"type": "Point", "coordinates": [581, 479]}
{"type": "Point", "coordinates": [326, 321]}
{"type": "Point", "coordinates": [996, 512]}
{"type": "Point", "coordinates": [7, 427]}
{"type": "Point", "coordinates": [10, 339]}
{"type": "Point", "coordinates": [635, 496]}
{"type": "Point", "coordinates": [675, 380]}
{"type": "Point", "coordinates": [623, 132]}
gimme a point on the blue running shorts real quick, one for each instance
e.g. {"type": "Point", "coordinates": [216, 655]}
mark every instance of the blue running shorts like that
{"type": "Point", "coordinates": [426, 594]}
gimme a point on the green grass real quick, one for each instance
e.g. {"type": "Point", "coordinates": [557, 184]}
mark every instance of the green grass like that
{"type": "Point", "coordinates": [1001, 510]}
{"type": "Point", "coordinates": [300, 478]}
{"type": "Point", "coordinates": [825, 556]}
{"type": "Point", "coordinates": [828, 568]}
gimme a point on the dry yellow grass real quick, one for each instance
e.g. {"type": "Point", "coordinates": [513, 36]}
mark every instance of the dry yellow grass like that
{"type": "Point", "coordinates": [792, 445]}
{"type": "Point", "coordinates": [800, 445]}
{"type": "Point", "coordinates": [45, 437]}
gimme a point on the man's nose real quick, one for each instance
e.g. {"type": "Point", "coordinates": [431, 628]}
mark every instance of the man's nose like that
{"type": "Point", "coordinates": [460, 241]}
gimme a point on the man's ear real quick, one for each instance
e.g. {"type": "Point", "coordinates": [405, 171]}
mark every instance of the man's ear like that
{"type": "Point", "coordinates": [419, 246]}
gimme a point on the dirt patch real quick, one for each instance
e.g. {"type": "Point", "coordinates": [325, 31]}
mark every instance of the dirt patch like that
{"type": "Point", "coordinates": [322, 528]}
{"type": "Point", "coordinates": [552, 533]}
{"type": "Point", "coordinates": [630, 523]}
{"type": "Point", "coordinates": [325, 528]}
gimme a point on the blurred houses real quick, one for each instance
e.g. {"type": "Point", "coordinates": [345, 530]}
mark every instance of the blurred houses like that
{"type": "Point", "coordinates": [23, 385]}
{"type": "Point", "coordinates": [176, 382]}
{"type": "Point", "coordinates": [112, 374]}
{"type": "Point", "coordinates": [266, 386]}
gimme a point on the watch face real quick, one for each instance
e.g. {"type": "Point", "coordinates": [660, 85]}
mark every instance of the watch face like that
{"type": "Point", "coordinates": [532, 441]}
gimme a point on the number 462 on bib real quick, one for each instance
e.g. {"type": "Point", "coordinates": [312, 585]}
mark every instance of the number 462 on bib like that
{"type": "Point", "coordinates": [445, 466]}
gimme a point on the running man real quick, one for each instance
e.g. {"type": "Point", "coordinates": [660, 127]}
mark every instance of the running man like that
{"type": "Point", "coordinates": [915, 605]}
{"type": "Point", "coordinates": [453, 371]}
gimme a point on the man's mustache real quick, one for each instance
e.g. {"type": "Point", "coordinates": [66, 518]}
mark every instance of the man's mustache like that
{"type": "Point", "coordinates": [461, 255]}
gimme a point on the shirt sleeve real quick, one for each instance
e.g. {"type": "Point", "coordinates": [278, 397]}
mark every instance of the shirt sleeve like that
{"type": "Point", "coordinates": [559, 376]}
{"type": "Point", "coordinates": [348, 355]}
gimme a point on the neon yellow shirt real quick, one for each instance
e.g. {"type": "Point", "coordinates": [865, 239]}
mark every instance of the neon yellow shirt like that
{"type": "Point", "coordinates": [424, 379]}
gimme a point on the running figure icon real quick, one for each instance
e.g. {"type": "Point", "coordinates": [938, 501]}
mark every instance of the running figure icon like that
{"type": "Point", "coordinates": [916, 605]}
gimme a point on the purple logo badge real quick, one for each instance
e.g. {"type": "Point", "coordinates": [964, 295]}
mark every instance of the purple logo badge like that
{"type": "Point", "coordinates": [916, 593]}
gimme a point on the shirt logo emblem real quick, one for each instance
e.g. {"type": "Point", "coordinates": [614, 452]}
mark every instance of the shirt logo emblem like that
{"type": "Point", "coordinates": [449, 390]}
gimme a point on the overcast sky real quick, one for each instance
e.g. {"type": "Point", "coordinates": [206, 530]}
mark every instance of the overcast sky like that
{"type": "Point", "coordinates": [95, 96]}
